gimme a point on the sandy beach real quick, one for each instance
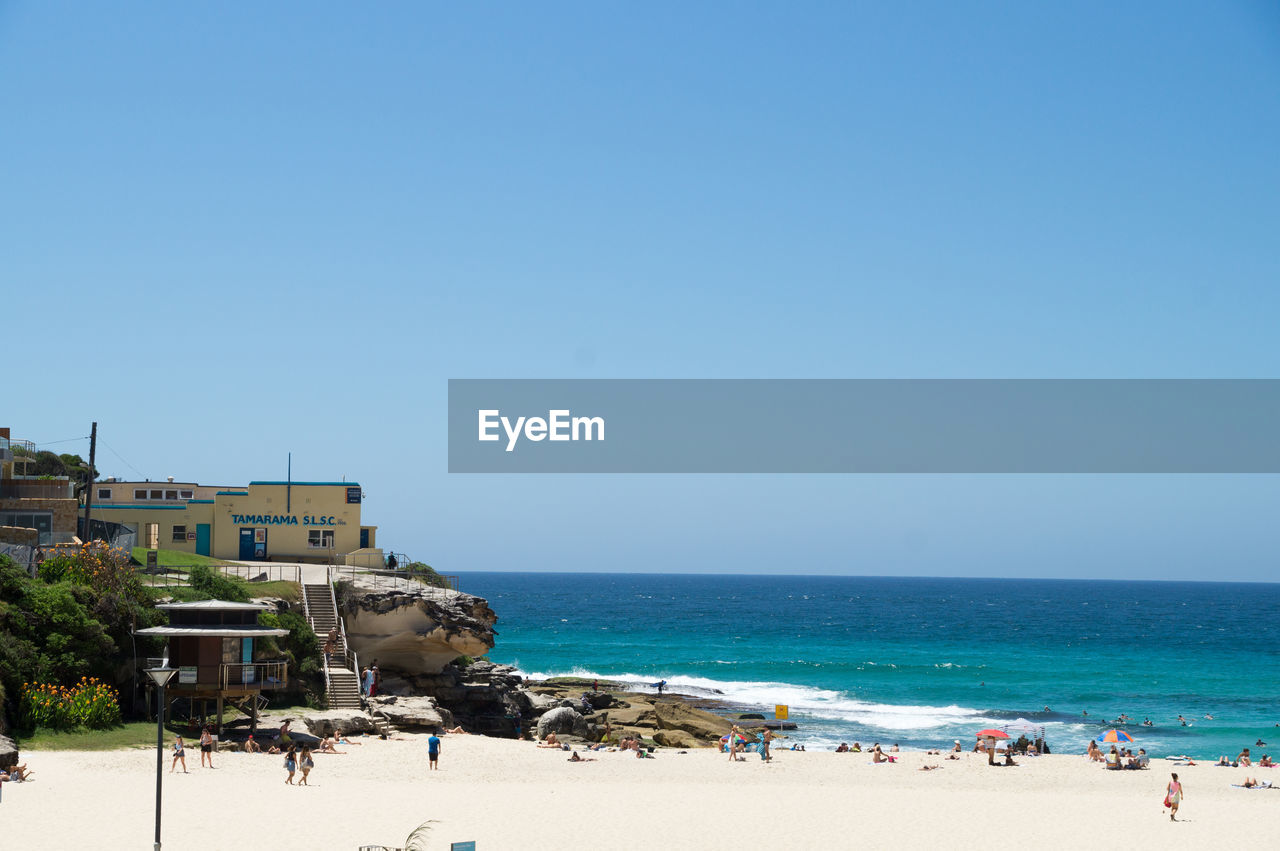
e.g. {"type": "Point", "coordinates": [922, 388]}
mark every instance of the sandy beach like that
{"type": "Point", "coordinates": [512, 795]}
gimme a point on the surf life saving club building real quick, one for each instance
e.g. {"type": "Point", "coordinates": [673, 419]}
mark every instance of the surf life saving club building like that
{"type": "Point", "coordinates": [281, 521]}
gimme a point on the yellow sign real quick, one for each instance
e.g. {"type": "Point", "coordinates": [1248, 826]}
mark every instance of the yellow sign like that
{"type": "Point", "coordinates": [780, 712]}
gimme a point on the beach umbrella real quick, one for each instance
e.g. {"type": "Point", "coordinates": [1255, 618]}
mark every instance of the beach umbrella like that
{"type": "Point", "coordinates": [737, 736]}
{"type": "Point", "coordinates": [992, 734]}
{"type": "Point", "coordinates": [1115, 737]}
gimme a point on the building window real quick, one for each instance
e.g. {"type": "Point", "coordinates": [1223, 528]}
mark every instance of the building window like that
{"type": "Point", "coordinates": [179, 533]}
{"type": "Point", "coordinates": [170, 494]}
{"type": "Point", "coordinates": [320, 539]}
{"type": "Point", "coordinates": [185, 495]}
{"type": "Point", "coordinates": [139, 494]}
{"type": "Point", "coordinates": [157, 494]}
{"type": "Point", "coordinates": [104, 493]}
{"type": "Point", "coordinates": [41, 521]}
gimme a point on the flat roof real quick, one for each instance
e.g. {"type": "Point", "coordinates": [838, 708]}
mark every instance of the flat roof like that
{"type": "Point", "coordinates": [313, 484]}
{"type": "Point", "coordinates": [213, 631]}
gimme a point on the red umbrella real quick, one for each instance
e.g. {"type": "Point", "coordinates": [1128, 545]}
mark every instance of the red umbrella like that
{"type": "Point", "coordinates": [992, 734]}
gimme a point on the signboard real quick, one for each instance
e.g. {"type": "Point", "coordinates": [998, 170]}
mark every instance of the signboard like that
{"type": "Point", "coordinates": [780, 711]}
{"type": "Point", "coordinates": [462, 846]}
{"type": "Point", "coordinates": [247, 673]}
{"type": "Point", "coordinates": [187, 674]}
{"type": "Point", "coordinates": [153, 558]}
{"type": "Point", "coordinates": [191, 536]}
{"type": "Point", "coordinates": [353, 496]}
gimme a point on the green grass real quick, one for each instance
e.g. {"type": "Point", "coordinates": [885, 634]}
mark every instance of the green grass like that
{"type": "Point", "coordinates": [174, 558]}
{"type": "Point", "coordinates": [136, 734]}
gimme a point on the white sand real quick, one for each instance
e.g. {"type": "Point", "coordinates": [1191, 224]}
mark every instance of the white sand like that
{"type": "Point", "coordinates": [512, 795]}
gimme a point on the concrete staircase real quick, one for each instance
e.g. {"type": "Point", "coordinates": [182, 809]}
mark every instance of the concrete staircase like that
{"type": "Point", "coordinates": [343, 684]}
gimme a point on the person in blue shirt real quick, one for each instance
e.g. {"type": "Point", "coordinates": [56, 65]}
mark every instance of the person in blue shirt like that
{"type": "Point", "coordinates": [433, 751]}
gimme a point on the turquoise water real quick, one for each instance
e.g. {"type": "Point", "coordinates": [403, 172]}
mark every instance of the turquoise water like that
{"type": "Point", "coordinates": [919, 661]}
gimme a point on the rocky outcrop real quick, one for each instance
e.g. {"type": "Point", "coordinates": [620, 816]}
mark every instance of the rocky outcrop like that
{"type": "Point", "coordinates": [8, 753]}
{"type": "Point", "coordinates": [414, 629]}
{"type": "Point", "coordinates": [565, 721]}
{"type": "Point", "coordinates": [412, 713]}
{"type": "Point", "coordinates": [484, 698]}
{"type": "Point", "coordinates": [334, 721]}
{"type": "Point", "coordinates": [696, 722]}
{"type": "Point", "coordinates": [675, 739]}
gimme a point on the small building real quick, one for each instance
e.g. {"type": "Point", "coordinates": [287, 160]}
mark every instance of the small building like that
{"type": "Point", "coordinates": [214, 645]}
{"type": "Point", "coordinates": [34, 510]}
{"type": "Point", "coordinates": [266, 521]}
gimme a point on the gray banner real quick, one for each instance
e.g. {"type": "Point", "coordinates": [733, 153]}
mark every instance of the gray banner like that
{"type": "Point", "coordinates": [864, 426]}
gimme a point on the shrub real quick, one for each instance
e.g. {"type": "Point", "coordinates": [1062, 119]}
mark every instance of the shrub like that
{"type": "Point", "coordinates": [216, 585]}
{"type": "Point", "coordinates": [89, 703]}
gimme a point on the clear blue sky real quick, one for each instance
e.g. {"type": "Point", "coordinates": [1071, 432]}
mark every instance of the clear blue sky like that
{"type": "Point", "coordinates": [231, 233]}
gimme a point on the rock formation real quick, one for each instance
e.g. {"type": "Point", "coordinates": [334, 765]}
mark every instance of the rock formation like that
{"type": "Point", "coordinates": [414, 629]}
{"type": "Point", "coordinates": [8, 753]}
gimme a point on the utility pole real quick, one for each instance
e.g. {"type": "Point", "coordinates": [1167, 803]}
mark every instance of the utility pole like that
{"type": "Point", "coordinates": [88, 488]}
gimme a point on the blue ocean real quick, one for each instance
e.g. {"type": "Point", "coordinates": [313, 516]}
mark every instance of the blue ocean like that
{"type": "Point", "coordinates": [918, 661]}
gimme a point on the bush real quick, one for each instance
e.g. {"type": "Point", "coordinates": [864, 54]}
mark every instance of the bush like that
{"type": "Point", "coordinates": [216, 585]}
{"type": "Point", "coordinates": [89, 703]}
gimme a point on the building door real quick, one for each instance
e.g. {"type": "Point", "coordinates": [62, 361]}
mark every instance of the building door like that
{"type": "Point", "coordinates": [364, 539]}
{"type": "Point", "coordinates": [202, 539]}
{"type": "Point", "coordinates": [246, 543]}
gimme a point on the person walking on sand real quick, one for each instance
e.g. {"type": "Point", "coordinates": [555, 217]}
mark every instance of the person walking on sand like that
{"type": "Point", "coordinates": [179, 756]}
{"type": "Point", "coordinates": [306, 764]}
{"type": "Point", "coordinates": [433, 752]}
{"type": "Point", "coordinates": [290, 763]}
{"type": "Point", "coordinates": [764, 748]}
{"type": "Point", "coordinates": [1173, 797]}
{"type": "Point", "coordinates": [206, 746]}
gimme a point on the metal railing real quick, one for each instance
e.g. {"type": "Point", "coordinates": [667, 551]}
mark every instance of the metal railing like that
{"type": "Point", "coordinates": [273, 674]}
{"type": "Point", "coordinates": [263, 572]}
{"type": "Point", "coordinates": [398, 578]}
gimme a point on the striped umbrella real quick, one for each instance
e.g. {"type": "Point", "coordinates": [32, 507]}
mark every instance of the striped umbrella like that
{"type": "Point", "coordinates": [1115, 737]}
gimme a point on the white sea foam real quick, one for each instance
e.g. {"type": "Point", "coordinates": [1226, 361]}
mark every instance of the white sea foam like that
{"type": "Point", "coordinates": [804, 701]}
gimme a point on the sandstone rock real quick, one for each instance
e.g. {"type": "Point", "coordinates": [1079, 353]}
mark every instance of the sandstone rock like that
{"type": "Point", "coordinates": [700, 724]}
{"type": "Point", "coordinates": [339, 721]}
{"type": "Point", "coordinates": [414, 628]}
{"type": "Point", "coordinates": [412, 712]}
{"type": "Point", "coordinates": [599, 699]}
{"type": "Point", "coordinates": [675, 739]}
{"type": "Point", "coordinates": [564, 720]}
{"type": "Point", "coordinates": [8, 753]}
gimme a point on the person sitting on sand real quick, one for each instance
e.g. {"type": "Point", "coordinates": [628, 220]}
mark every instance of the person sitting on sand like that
{"type": "Point", "coordinates": [1093, 752]}
{"type": "Point", "coordinates": [857, 748]}
{"type": "Point", "coordinates": [878, 756]}
{"type": "Point", "coordinates": [17, 774]}
{"type": "Point", "coordinates": [1266, 762]}
{"type": "Point", "coordinates": [844, 748]}
{"type": "Point", "coordinates": [956, 748]}
{"type": "Point", "coordinates": [551, 741]}
{"type": "Point", "coordinates": [1032, 751]}
{"type": "Point", "coordinates": [1113, 758]}
{"type": "Point", "coordinates": [1243, 759]}
{"type": "Point", "coordinates": [894, 749]}
{"type": "Point", "coordinates": [327, 745]}
{"type": "Point", "coordinates": [250, 746]}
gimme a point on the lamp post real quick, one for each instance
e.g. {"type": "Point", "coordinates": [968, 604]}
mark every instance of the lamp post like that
{"type": "Point", "coordinates": [161, 677]}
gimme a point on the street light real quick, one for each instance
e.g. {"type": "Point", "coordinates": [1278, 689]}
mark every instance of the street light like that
{"type": "Point", "coordinates": [161, 677]}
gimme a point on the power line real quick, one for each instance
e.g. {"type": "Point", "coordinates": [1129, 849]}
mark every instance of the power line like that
{"type": "Point", "coordinates": [121, 457]}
